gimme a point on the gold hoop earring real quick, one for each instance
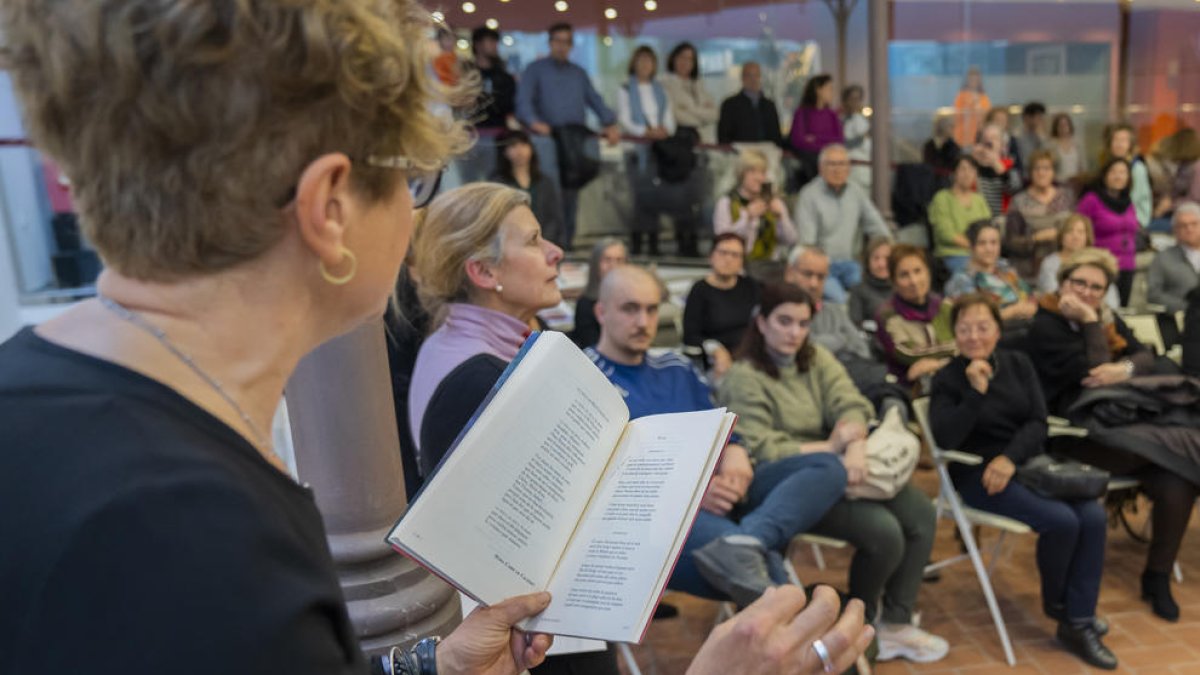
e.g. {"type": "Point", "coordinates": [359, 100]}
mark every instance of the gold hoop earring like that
{"type": "Point", "coordinates": [345, 278]}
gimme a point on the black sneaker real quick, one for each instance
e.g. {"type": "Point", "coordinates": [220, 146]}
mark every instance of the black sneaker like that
{"type": "Point", "coordinates": [1059, 614]}
{"type": "Point", "coordinates": [736, 566]}
{"type": "Point", "coordinates": [1156, 588]}
{"type": "Point", "coordinates": [1084, 642]}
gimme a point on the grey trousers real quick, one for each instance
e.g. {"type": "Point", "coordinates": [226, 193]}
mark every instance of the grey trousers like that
{"type": "Point", "coordinates": [892, 540]}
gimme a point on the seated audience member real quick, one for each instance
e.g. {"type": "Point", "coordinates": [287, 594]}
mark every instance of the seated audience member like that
{"type": "Point", "coordinates": [952, 211]}
{"type": "Point", "coordinates": [999, 174]}
{"type": "Point", "coordinates": [1185, 154]}
{"type": "Point", "coordinates": [831, 327]}
{"type": "Point", "coordinates": [1114, 220]}
{"type": "Point", "coordinates": [607, 254]}
{"type": "Point", "coordinates": [755, 212]}
{"type": "Point", "coordinates": [913, 326]}
{"type": "Point", "coordinates": [876, 286]}
{"type": "Point", "coordinates": [1069, 158]}
{"type": "Point", "coordinates": [1033, 133]}
{"type": "Point", "coordinates": [719, 306]}
{"type": "Point", "coordinates": [793, 398]}
{"type": "Point", "coordinates": [940, 151]}
{"type": "Point", "coordinates": [987, 402]}
{"type": "Point", "coordinates": [1176, 271]}
{"type": "Point", "coordinates": [988, 273]}
{"type": "Point", "coordinates": [1078, 345]}
{"type": "Point", "coordinates": [749, 116]}
{"type": "Point", "coordinates": [835, 215]}
{"type": "Point", "coordinates": [749, 514]}
{"type": "Point", "coordinates": [1120, 143]}
{"type": "Point", "coordinates": [517, 166]}
{"type": "Point", "coordinates": [1031, 225]}
{"type": "Point", "coordinates": [815, 124]}
{"type": "Point", "coordinates": [1073, 235]}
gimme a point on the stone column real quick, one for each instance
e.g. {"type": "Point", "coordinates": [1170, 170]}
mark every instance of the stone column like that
{"type": "Point", "coordinates": [878, 22]}
{"type": "Point", "coordinates": [344, 431]}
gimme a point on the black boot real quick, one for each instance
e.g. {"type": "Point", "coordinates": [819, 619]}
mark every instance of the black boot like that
{"type": "Point", "coordinates": [1084, 642]}
{"type": "Point", "coordinates": [1059, 614]}
{"type": "Point", "coordinates": [1156, 588]}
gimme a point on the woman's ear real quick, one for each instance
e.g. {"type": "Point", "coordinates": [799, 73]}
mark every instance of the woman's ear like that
{"type": "Point", "coordinates": [761, 322]}
{"type": "Point", "coordinates": [481, 274]}
{"type": "Point", "coordinates": [323, 208]}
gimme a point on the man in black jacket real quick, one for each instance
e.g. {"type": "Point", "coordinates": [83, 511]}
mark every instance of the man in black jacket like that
{"type": "Point", "coordinates": [498, 89]}
{"type": "Point", "coordinates": [748, 116]}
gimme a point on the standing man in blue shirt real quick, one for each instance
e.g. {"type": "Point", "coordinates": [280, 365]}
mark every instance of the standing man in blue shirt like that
{"type": "Point", "coordinates": [554, 92]}
{"type": "Point", "coordinates": [774, 501]}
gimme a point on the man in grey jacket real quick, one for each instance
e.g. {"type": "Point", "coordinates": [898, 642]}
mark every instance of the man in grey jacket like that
{"type": "Point", "coordinates": [1176, 271]}
{"type": "Point", "coordinates": [837, 215]}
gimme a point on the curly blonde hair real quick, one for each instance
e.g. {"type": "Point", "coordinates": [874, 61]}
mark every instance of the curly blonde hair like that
{"type": "Point", "coordinates": [184, 126]}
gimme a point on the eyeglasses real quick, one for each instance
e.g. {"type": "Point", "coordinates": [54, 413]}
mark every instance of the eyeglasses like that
{"type": "Point", "coordinates": [423, 184]}
{"type": "Point", "coordinates": [1081, 285]}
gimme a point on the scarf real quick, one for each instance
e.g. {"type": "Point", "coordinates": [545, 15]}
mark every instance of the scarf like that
{"type": "Point", "coordinates": [1004, 284]}
{"type": "Point", "coordinates": [1116, 343]}
{"type": "Point", "coordinates": [763, 246]}
{"type": "Point", "coordinates": [636, 113]}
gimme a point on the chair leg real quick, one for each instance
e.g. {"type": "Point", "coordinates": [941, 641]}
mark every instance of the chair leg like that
{"type": "Point", "coordinates": [996, 551]}
{"type": "Point", "coordinates": [818, 557]}
{"type": "Point", "coordinates": [985, 582]}
{"type": "Point", "coordinates": [627, 656]}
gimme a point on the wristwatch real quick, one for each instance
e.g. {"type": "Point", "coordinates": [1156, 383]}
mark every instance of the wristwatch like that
{"type": "Point", "coordinates": [1129, 367]}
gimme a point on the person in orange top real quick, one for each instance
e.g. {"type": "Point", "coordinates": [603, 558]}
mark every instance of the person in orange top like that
{"type": "Point", "coordinates": [970, 106]}
{"type": "Point", "coordinates": [445, 64]}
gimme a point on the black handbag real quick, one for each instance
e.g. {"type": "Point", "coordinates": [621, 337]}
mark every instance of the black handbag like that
{"type": "Point", "coordinates": [1057, 478]}
{"type": "Point", "coordinates": [578, 155]}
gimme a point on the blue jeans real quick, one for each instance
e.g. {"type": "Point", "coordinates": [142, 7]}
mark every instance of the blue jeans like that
{"type": "Point", "coordinates": [1071, 536]}
{"type": "Point", "coordinates": [786, 498]}
{"type": "Point", "coordinates": [955, 263]}
{"type": "Point", "coordinates": [843, 275]}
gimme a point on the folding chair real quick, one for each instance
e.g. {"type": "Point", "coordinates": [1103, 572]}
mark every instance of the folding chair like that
{"type": "Point", "coordinates": [964, 518]}
{"type": "Point", "coordinates": [1145, 328]}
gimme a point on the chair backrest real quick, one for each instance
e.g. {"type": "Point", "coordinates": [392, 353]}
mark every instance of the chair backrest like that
{"type": "Point", "coordinates": [1145, 328]}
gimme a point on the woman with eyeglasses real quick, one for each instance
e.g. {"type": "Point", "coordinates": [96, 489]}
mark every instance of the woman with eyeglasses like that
{"type": "Point", "coordinates": [987, 402]}
{"type": "Point", "coordinates": [720, 306]}
{"type": "Point", "coordinates": [1074, 234]}
{"type": "Point", "coordinates": [1078, 344]}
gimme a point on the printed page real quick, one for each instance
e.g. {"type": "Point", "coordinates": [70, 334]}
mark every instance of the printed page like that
{"type": "Point", "coordinates": [621, 555]}
{"type": "Point", "coordinates": [496, 517]}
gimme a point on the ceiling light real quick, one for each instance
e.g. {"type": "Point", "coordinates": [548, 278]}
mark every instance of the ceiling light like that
{"type": "Point", "coordinates": [463, 44]}
{"type": "Point", "coordinates": [508, 40]}
{"type": "Point", "coordinates": [607, 40]}
{"type": "Point", "coordinates": [561, 5]}
{"type": "Point", "coordinates": [651, 5]}
{"type": "Point", "coordinates": [611, 13]}
{"type": "Point", "coordinates": [468, 7]}
{"type": "Point", "coordinates": [492, 23]}
{"type": "Point", "coordinates": [438, 17]}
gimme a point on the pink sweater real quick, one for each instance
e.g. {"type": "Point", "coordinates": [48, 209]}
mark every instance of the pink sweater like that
{"type": "Point", "coordinates": [1116, 232]}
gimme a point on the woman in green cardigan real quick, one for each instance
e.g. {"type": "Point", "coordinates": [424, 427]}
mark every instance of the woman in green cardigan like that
{"type": "Point", "coordinates": [793, 397]}
{"type": "Point", "coordinates": [953, 210]}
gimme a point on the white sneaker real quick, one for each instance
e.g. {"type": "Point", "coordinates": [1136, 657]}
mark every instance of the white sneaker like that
{"type": "Point", "coordinates": [905, 641]}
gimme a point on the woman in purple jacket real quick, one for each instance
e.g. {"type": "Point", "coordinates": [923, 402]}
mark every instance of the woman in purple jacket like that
{"type": "Point", "coordinates": [1107, 202]}
{"type": "Point", "coordinates": [815, 124]}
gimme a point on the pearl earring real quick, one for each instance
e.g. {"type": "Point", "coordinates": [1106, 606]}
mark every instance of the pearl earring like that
{"type": "Point", "coordinates": [499, 288]}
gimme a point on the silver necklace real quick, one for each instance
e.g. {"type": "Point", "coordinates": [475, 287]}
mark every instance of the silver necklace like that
{"type": "Point", "coordinates": [136, 319]}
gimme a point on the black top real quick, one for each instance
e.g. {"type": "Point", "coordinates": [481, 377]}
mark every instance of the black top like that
{"type": "Point", "coordinates": [1009, 420]}
{"type": "Point", "coordinates": [941, 159]}
{"type": "Point", "coordinates": [143, 535]}
{"type": "Point", "coordinates": [453, 403]}
{"type": "Point", "coordinates": [407, 324]}
{"type": "Point", "coordinates": [719, 314]}
{"type": "Point", "coordinates": [742, 121]}
{"type": "Point", "coordinates": [497, 96]}
{"type": "Point", "coordinates": [587, 329]}
{"type": "Point", "coordinates": [1064, 353]}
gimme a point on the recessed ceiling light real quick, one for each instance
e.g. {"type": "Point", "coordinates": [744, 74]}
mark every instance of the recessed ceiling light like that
{"type": "Point", "coordinates": [508, 40]}
{"type": "Point", "coordinates": [611, 13]}
{"type": "Point", "coordinates": [492, 23]}
{"type": "Point", "coordinates": [468, 7]}
{"type": "Point", "coordinates": [561, 5]}
{"type": "Point", "coordinates": [650, 5]}
{"type": "Point", "coordinates": [438, 17]}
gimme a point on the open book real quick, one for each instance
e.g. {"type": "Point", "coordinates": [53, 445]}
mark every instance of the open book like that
{"type": "Point", "coordinates": [551, 487]}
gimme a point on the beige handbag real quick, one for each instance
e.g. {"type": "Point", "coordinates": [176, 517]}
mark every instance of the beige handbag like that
{"type": "Point", "coordinates": [892, 452]}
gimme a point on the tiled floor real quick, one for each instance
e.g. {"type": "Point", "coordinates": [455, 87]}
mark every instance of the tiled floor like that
{"type": "Point", "coordinates": [955, 609]}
